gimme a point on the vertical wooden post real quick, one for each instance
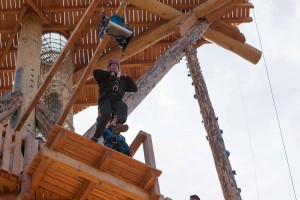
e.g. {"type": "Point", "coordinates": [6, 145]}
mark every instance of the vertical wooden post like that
{"type": "Point", "coordinates": [28, 61]}
{"type": "Point", "coordinates": [150, 160]}
{"type": "Point", "coordinates": [226, 177]}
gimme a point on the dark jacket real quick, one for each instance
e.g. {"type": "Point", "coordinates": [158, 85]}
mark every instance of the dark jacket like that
{"type": "Point", "coordinates": [113, 86]}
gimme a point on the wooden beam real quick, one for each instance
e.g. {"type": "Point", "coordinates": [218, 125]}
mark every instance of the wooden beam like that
{"type": "Point", "coordinates": [8, 183]}
{"type": "Point", "coordinates": [149, 180]}
{"type": "Point", "coordinates": [223, 10]}
{"type": "Point", "coordinates": [228, 30]}
{"type": "Point", "coordinates": [10, 104]}
{"type": "Point", "coordinates": [139, 43]}
{"type": "Point", "coordinates": [136, 143]}
{"type": "Point", "coordinates": [90, 173]}
{"type": "Point", "coordinates": [17, 154]}
{"type": "Point", "coordinates": [57, 63]}
{"type": "Point", "coordinates": [45, 119]}
{"type": "Point", "coordinates": [158, 8]}
{"type": "Point", "coordinates": [6, 69]}
{"type": "Point", "coordinates": [83, 79]}
{"type": "Point", "coordinates": [6, 88]}
{"type": "Point", "coordinates": [162, 65]}
{"type": "Point", "coordinates": [9, 195]}
{"type": "Point", "coordinates": [150, 37]}
{"type": "Point", "coordinates": [103, 164]}
{"type": "Point", "coordinates": [244, 50]}
{"type": "Point", "coordinates": [150, 160]}
{"type": "Point", "coordinates": [222, 163]}
{"type": "Point", "coordinates": [38, 12]}
{"type": "Point", "coordinates": [212, 10]}
{"type": "Point", "coordinates": [59, 140]}
{"type": "Point", "coordinates": [7, 149]}
{"type": "Point", "coordinates": [13, 33]}
{"type": "Point", "coordinates": [160, 68]}
{"type": "Point", "coordinates": [39, 173]}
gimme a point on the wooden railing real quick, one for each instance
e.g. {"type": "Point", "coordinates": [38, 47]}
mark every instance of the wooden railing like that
{"type": "Point", "coordinates": [11, 158]}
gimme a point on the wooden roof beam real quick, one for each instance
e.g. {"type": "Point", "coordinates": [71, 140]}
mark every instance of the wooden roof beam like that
{"type": "Point", "coordinates": [139, 43]}
{"type": "Point", "coordinates": [38, 12]}
{"type": "Point", "coordinates": [242, 49]}
{"type": "Point", "coordinates": [57, 63]}
{"type": "Point", "coordinates": [150, 37]}
{"type": "Point", "coordinates": [212, 10]}
{"type": "Point", "coordinates": [228, 30]}
{"type": "Point", "coordinates": [13, 33]}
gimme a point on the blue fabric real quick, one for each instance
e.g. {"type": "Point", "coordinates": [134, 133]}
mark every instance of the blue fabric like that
{"type": "Point", "coordinates": [116, 142]}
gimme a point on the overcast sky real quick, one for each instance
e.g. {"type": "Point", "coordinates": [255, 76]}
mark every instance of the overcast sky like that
{"type": "Point", "coordinates": [241, 97]}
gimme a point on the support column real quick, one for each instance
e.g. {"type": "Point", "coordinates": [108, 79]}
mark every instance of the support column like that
{"type": "Point", "coordinates": [226, 177]}
{"type": "Point", "coordinates": [26, 81]}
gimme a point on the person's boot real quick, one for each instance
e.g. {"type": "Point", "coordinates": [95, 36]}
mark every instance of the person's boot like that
{"type": "Point", "coordinates": [95, 139]}
{"type": "Point", "coordinates": [120, 128]}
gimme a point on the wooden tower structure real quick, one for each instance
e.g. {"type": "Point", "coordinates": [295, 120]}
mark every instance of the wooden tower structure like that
{"type": "Point", "coordinates": [40, 155]}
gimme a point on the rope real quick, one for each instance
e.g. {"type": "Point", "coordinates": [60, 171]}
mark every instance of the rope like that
{"type": "Point", "coordinates": [275, 107]}
{"type": "Point", "coordinates": [249, 139]}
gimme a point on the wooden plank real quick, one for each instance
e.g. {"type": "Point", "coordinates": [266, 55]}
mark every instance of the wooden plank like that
{"type": "Point", "coordinates": [228, 30]}
{"type": "Point", "coordinates": [149, 180]}
{"type": "Point", "coordinates": [85, 190]}
{"type": "Point", "coordinates": [104, 193]}
{"type": "Point", "coordinates": [7, 149]}
{"type": "Point", "coordinates": [217, 14]}
{"type": "Point", "coordinates": [66, 177]}
{"type": "Point", "coordinates": [244, 50]}
{"type": "Point", "coordinates": [95, 175]}
{"type": "Point", "coordinates": [127, 176]}
{"type": "Point", "coordinates": [209, 6]}
{"type": "Point", "coordinates": [9, 195]}
{"type": "Point", "coordinates": [50, 187]}
{"type": "Point", "coordinates": [38, 12]}
{"type": "Point", "coordinates": [39, 193]}
{"type": "Point", "coordinates": [39, 173]}
{"type": "Point", "coordinates": [136, 143]}
{"type": "Point", "coordinates": [158, 8]}
{"type": "Point", "coordinates": [9, 104]}
{"type": "Point", "coordinates": [2, 129]}
{"type": "Point", "coordinates": [58, 141]}
{"type": "Point", "coordinates": [104, 161]}
{"type": "Point", "coordinates": [84, 19]}
{"type": "Point", "coordinates": [61, 184]}
{"type": "Point", "coordinates": [13, 33]}
{"type": "Point", "coordinates": [17, 154]}
{"type": "Point", "coordinates": [8, 183]}
{"type": "Point", "coordinates": [47, 193]}
{"type": "Point", "coordinates": [150, 160]}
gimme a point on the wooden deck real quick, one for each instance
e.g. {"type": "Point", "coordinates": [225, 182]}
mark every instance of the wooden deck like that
{"type": "Point", "coordinates": [73, 167]}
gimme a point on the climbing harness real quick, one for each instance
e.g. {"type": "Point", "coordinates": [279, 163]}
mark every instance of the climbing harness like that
{"type": "Point", "coordinates": [117, 27]}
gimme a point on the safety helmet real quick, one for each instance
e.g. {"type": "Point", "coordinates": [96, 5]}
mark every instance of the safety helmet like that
{"type": "Point", "coordinates": [113, 61]}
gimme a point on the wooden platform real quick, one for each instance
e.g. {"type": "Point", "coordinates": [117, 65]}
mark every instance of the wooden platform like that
{"type": "Point", "coordinates": [74, 167]}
